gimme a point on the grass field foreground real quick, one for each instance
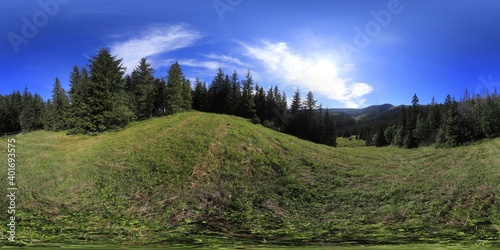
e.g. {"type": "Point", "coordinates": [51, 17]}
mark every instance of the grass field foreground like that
{"type": "Point", "coordinates": [196, 178]}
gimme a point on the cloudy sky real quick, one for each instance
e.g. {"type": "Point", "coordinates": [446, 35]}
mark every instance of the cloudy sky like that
{"type": "Point", "coordinates": [352, 53]}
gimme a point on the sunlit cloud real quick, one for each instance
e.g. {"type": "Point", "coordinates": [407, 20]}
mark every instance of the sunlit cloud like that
{"type": "Point", "coordinates": [156, 41]}
{"type": "Point", "coordinates": [318, 74]}
{"type": "Point", "coordinates": [210, 65]}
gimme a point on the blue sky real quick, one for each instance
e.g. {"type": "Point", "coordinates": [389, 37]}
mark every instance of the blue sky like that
{"type": "Point", "coordinates": [348, 53]}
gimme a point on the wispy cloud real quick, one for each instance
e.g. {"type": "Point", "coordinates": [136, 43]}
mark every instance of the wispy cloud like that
{"type": "Point", "coordinates": [211, 65]}
{"type": "Point", "coordinates": [225, 59]}
{"type": "Point", "coordinates": [155, 41]}
{"type": "Point", "coordinates": [319, 74]}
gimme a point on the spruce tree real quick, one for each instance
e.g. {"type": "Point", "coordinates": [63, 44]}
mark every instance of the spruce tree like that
{"type": "Point", "coordinates": [247, 104]}
{"type": "Point", "coordinates": [78, 118]}
{"type": "Point", "coordinates": [27, 115]}
{"type": "Point", "coordinates": [187, 97]}
{"type": "Point", "coordinates": [260, 103]}
{"type": "Point", "coordinates": [235, 96]}
{"type": "Point", "coordinates": [141, 88]}
{"type": "Point", "coordinates": [14, 109]}
{"type": "Point", "coordinates": [103, 95]}
{"type": "Point", "coordinates": [296, 102]}
{"type": "Point", "coordinates": [200, 96]}
{"type": "Point", "coordinates": [330, 130]}
{"type": "Point", "coordinates": [451, 123]}
{"type": "Point", "coordinates": [59, 108]}
{"type": "Point", "coordinates": [159, 97]}
{"type": "Point", "coordinates": [175, 89]}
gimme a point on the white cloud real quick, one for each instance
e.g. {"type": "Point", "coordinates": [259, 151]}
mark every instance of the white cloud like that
{"type": "Point", "coordinates": [211, 65]}
{"type": "Point", "coordinates": [157, 40]}
{"type": "Point", "coordinates": [225, 59]}
{"type": "Point", "coordinates": [318, 74]}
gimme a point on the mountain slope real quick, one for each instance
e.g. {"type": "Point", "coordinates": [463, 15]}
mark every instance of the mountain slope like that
{"type": "Point", "coordinates": [368, 111]}
{"type": "Point", "coordinates": [198, 177]}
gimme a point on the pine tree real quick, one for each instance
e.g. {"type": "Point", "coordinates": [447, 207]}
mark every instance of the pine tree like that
{"type": "Point", "coordinates": [59, 108]}
{"type": "Point", "coordinates": [247, 104]}
{"type": "Point", "coordinates": [175, 89]}
{"type": "Point", "coordinates": [310, 103]}
{"type": "Point", "coordinates": [260, 103]}
{"type": "Point", "coordinates": [200, 96]}
{"type": "Point", "coordinates": [271, 105]}
{"type": "Point", "coordinates": [434, 120]}
{"type": "Point", "coordinates": [235, 94]}
{"type": "Point", "coordinates": [187, 97]}
{"type": "Point", "coordinates": [27, 115]}
{"type": "Point", "coordinates": [159, 97]}
{"type": "Point", "coordinates": [216, 93]}
{"type": "Point", "coordinates": [451, 123]}
{"type": "Point", "coordinates": [379, 139]}
{"type": "Point", "coordinates": [402, 129]}
{"type": "Point", "coordinates": [78, 119]}
{"type": "Point", "coordinates": [14, 109]}
{"type": "Point", "coordinates": [296, 102]}
{"type": "Point", "coordinates": [103, 96]}
{"type": "Point", "coordinates": [330, 130]}
{"type": "Point", "coordinates": [225, 95]}
{"type": "Point", "coordinates": [141, 89]}
{"type": "Point", "coordinates": [490, 116]}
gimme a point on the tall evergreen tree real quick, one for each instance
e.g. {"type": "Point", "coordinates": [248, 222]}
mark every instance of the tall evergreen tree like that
{"type": "Point", "coordinates": [187, 97]}
{"type": "Point", "coordinates": [159, 97]}
{"type": "Point", "coordinates": [141, 89]}
{"type": "Point", "coordinates": [216, 93]}
{"type": "Point", "coordinates": [78, 119]}
{"type": "Point", "coordinates": [14, 103]}
{"type": "Point", "coordinates": [452, 123]}
{"type": "Point", "coordinates": [247, 104]}
{"type": "Point", "coordinates": [27, 115]}
{"type": "Point", "coordinates": [235, 94]}
{"type": "Point", "coordinates": [310, 103]}
{"type": "Point", "coordinates": [175, 89]}
{"type": "Point", "coordinates": [260, 102]}
{"type": "Point", "coordinates": [330, 133]}
{"type": "Point", "coordinates": [103, 95]}
{"type": "Point", "coordinates": [59, 109]}
{"type": "Point", "coordinates": [296, 102]}
{"type": "Point", "coordinates": [200, 96]}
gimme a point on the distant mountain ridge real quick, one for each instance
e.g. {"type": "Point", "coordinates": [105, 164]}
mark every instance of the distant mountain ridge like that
{"type": "Point", "coordinates": [363, 112]}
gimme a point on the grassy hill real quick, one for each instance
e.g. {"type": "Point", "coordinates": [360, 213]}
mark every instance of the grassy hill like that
{"type": "Point", "coordinates": [197, 178]}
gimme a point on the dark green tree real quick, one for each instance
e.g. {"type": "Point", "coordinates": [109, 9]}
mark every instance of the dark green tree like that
{"type": "Point", "coordinates": [247, 104]}
{"type": "Point", "coordinates": [218, 93]}
{"type": "Point", "coordinates": [296, 103]}
{"type": "Point", "coordinates": [141, 89]}
{"type": "Point", "coordinates": [59, 109]}
{"type": "Point", "coordinates": [235, 94]}
{"type": "Point", "coordinates": [159, 97]}
{"type": "Point", "coordinates": [187, 97]}
{"type": "Point", "coordinates": [103, 95]}
{"type": "Point", "coordinates": [200, 96]}
{"type": "Point", "coordinates": [175, 89]}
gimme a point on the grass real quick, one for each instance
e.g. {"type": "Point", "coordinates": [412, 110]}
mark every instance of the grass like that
{"type": "Point", "coordinates": [203, 178]}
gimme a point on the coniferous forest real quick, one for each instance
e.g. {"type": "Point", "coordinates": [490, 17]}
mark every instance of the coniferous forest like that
{"type": "Point", "coordinates": [102, 98]}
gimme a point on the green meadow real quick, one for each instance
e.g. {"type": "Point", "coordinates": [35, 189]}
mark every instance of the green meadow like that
{"type": "Point", "coordinates": [208, 179]}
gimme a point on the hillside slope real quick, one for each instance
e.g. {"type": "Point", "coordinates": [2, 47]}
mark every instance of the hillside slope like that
{"type": "Point", "coordinates": [198, 177]}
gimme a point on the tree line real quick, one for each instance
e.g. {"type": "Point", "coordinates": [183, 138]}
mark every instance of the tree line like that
{"type": "Point", "coordinates": [452, 123]}
{"type": "Point", "coordinates": [102, 98]}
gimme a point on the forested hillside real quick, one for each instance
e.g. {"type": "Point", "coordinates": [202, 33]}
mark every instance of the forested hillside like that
{"type": "Point", "coordinates": [102, 98]}
{"type": "Point", "coordinates": [202, 178]}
